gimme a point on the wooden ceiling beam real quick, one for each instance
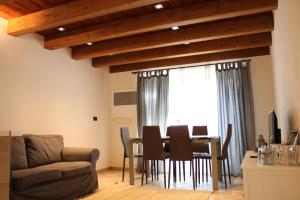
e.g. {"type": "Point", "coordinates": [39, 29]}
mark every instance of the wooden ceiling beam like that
{"type": "Point", "coordinates": [4, 1]}
{"type": "Point", "coordinates": [71, 12]}
{"type": "Point", "coordinates": [7, 12]}
{"type": "Point", "coordinates": [194, 13]}
{"type": "Point", "coordinates": [192, 60]}
{"type": "Point", "coordinates": [205, 47]}
{"type": "Point", "coordinates": [193, 33]}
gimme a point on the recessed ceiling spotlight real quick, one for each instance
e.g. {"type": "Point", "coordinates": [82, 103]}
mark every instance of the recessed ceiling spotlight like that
{"type": "Point", "coordinates": [61, 29]}
{"type": "Point", "coordinates": [89, 43]}
{"type": "Point", "coordinates": [174, 28]}
{"type": "Point", "coordinates": [159, 6]}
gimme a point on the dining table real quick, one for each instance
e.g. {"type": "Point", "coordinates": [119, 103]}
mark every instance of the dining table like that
{"type": "Point", "coordinates": [215, 151]}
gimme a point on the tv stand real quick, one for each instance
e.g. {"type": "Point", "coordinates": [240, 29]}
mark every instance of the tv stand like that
{"type": "Point", "coordinates": [269, 182]}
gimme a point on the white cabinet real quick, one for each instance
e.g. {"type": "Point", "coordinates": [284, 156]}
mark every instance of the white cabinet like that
{"type": "Point", "coordinates": [270, 182]}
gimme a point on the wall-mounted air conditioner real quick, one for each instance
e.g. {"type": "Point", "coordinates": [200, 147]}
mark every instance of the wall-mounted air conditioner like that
{"type": "Point", "coordinates": [124, 104]}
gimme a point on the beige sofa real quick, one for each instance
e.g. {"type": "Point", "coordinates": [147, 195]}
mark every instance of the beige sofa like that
{"type": "Point", "coordinates": [43, 169]}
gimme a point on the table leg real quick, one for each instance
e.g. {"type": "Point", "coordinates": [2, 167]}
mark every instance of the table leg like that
{"type": "Point", "coordinates": [131, 163]}
{"type": "Point", "coordinates": [214, 159]}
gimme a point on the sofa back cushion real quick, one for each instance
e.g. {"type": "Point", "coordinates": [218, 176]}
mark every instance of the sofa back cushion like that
{"type": "Point", "coordinates": [43, 149]}
{"type": "Point", "coordinates": [18, 153]}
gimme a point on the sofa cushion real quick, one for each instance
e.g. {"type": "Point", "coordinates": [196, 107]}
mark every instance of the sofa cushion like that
{"type": "Point", "coordinates": [43, 149]}
{"type": "Point", "coordinates": [25, 178]}
{"type": "Point", "coordinates": [70, 169]}
{"type": "Point", "coordinates": [18, 153]}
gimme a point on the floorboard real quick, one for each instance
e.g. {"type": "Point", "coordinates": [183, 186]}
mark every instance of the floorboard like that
{"type": "Point", "coordinates": [112, 187]}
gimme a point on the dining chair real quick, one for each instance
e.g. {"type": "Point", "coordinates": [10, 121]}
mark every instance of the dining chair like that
{"type": "Point", "coordinates": [153, 149]}
{"type": "Point", "coordinates": [124, 132]}
{"type": "Point", "coordinates": [167, 151]}
{"type": "Point", "coordinates": [181, 149]}
{"type": "Point", "coordinates": [201, 148]}
{"type": "Point", "coordinates": [224, 155]}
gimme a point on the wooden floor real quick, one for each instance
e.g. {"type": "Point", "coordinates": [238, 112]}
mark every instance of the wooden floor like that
{"type": "Point", "coordinates": [111, 187]}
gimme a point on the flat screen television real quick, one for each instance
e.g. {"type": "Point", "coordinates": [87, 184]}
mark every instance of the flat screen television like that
{"type": "Point", "coordinates": [274, 131]}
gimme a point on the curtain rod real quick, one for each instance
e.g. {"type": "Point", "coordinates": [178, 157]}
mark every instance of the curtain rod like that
{"type": "Point", "coordinates": [202, 65]}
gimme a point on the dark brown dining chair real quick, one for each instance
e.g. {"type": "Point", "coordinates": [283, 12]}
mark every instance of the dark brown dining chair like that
{"type": "Point", "coordinates": [224, 155]}
{"type": "Point", "coordinates": [167, 151]}
{"type": "Point", "coordinates": [153, 149]}
{"type": "Point", "coordinates": [181, 149]}
{"type": "Point", "coordinates": [124, 132]}
{"type": "Point", "coordinates": [201, 148]}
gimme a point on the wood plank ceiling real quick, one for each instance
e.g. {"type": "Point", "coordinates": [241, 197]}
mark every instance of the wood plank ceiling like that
{"type": "Point", "coordinates": [127, 35]}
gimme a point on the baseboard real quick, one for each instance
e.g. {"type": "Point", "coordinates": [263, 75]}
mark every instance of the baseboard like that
{"type": "Point", "coordinates": [111, 169]}
{"type": "Point", "coordinates": [102, 170]}
{"type": "Point", "coordinates": [118, 168]}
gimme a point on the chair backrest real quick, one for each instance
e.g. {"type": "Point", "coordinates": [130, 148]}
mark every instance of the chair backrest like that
{"type": "Point", "coordinates": [227, 141]}
{"type": "Point", "coordinates": [152, 143]}
{"type": "Point", "coordinates": [168, 131]}
{"type": "Point", "coordinates": [180, 143]}
{"type": "Point", "coordinates": [200, 147]}
{"type": "Point", "coordinates": [124, 131]}
{"type": "Point", "coordinates": [200, 130]}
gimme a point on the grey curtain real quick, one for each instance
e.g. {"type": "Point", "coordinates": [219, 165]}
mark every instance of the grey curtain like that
{"type": "Point", "coordinates": [152, 103]}
{"type": "Point", "coordinates": [235, 106]}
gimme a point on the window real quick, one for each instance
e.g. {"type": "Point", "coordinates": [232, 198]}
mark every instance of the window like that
{"type": "Point", "coordinates": [193, 98]}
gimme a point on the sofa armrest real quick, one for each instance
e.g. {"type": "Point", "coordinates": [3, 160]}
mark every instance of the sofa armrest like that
{"type": "Point", "coordinates": [71, 154]}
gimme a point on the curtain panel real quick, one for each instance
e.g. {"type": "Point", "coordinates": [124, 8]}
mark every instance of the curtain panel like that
{"type": "Point", "coordinates": [152, 103]}
{"type": "Point", "coordinates": [235, 106]}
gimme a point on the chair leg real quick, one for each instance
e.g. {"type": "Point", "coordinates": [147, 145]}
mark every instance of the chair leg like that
{"type": "Point", "coordinates": [190, 169]}
{"type": "Point", "coordinates": [199, 171]}
{"type": "Point", "coordinates": [196, 169]}
{"type": "Point", "coordinates": [123, 169]}
{"type": "Point", "coordinates": [174, 170]}
{"type": "Point", "coordinates": [183, 163]}
{"type": "Point", "coordinates": [193, 175]}
{"type": "Point", "coordinates": [147, 167]}
{"type": "Point", "coordinates": [224, 171]}
{"type": "Point", "coordinates": [169, 177]}
{"type": "Point", "coordinates": [165, 173]}
{"type": "Point", "coordinates": [179, 171]}
{"type": "Point", "coordinates": [209, 161]}
{"type": "Point", "coordinates": [143, 171]}
{"type": "Point", "coordinates": [229, 173]}
{"type": "Point", "coordinates": [154, 169]}
{"type": "Point", "coordinates": [202, 166]}
{"type": "Point", "coordinates": [152, 165]}
{"type": "Point", "coordinates": [157, 170]}
{"type": "Point", "coordinates": [206, 169]}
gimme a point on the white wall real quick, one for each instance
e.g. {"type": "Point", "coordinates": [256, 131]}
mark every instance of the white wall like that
{"type": "Point", "coordinates": [263, 97]}
{"type": "Point", "coordinates": [263, 92]}
{"type": "Point", "coordinates": [121, 117]}
{"type": "Point", "coordinates": [44, 92]}
{"type": "Point", "coordinates": [286, 63]}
